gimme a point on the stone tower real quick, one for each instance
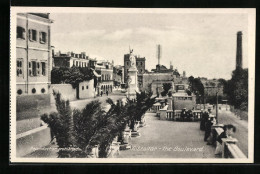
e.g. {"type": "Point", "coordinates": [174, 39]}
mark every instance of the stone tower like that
{"type": "Point", "coordinates": [132, 78]}
{"type": "Point", "coordinates": [239, 50]}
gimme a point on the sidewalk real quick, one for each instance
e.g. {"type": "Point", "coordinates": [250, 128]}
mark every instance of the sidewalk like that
{"type": "Point", "coordinates": [169, 139]}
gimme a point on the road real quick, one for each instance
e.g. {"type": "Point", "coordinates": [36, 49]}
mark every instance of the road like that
{"type": "Point", "coordinates": [227, 117]}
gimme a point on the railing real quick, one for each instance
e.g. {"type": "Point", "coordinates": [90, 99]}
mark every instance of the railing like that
{"type": "Point", "coordinates": [177, 114]}
{"type": "Point", "coordinates": [229, 146]}
{"type": "Point", "coordinates": [234, 151]}
{"type": "Point", "coordinates": [196, 115]}
{"type": "Point", "coordinates": [169, 115]}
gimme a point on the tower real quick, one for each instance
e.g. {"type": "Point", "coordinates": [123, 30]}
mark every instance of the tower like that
{"type": "Point", "coordinates": [239, 50]}
{"type": "Point", "coordinates": [159, 53]}
{"type": "Point", "coordinates": [132, 77]}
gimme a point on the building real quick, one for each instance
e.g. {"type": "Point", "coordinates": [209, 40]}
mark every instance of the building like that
{"type": "Point", "coordinates": [118, 75]}
{"type": "Point", "coordinates": [140, 65]}
{"type": "Point", "coordinates": [105, 81]}
{"type": "Point", "coordinates": [212, 86]}
{"type": "Point", "coordinates": [72, 59]}
{"type": "Point", "coordinates": [153, 82]}
{"type": "Point", "coordinates": [182, 100]}
{"type": "Point", "coordinates": [239, 55]}
{"type": "Point", "coordinates": [33, 58]}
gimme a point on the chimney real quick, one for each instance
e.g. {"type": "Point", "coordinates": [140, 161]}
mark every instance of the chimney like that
{"type": "Point", "coordinates": [239, 50]}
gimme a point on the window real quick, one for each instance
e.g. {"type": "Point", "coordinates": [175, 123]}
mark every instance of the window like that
{"type": "Point", "coordinates": [19, 67]}
{"type": "Point", "coordinates": [33, 90]}
{"type": "Point", "coordinates": [43, 68]}
{"type": "Point", "coordinates": [43, 90]}
{"type": "Point", "coordinates": [76, 63]}
{"type": "Point", "coordinates": [82, 87]}
{"type": "Point", "coordinates": [137, 63]}
{"type": "Point", "coordinates": [127, 63]}
{"type": "Point", "coordinates": [33, 35]}
{"type": "Point", "coordinates": [141, 63]}
{"type": "Point", "coordinates": [20, 32]}
{"type": "Point", "coordinates": [38, 68]}
{"type": "Point", "coordinates": [30, 69]}
{"type": "Point", "coordinates": [19, 91]}
{"type": "Point", "coordinates": [34, 69]}
{"type": "Point", "coordinates": [43, 37]}
{"type": "Point", "coordinates": [86, 87]}
{"type": "Point", "coordinates": [141, 70]}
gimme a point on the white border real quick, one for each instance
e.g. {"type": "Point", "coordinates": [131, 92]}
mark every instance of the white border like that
{"type": "Point", "coordinates": [251, 64]}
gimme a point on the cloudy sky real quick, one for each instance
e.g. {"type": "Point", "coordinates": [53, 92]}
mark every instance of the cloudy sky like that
{"type": "Point", "coordinates": [203, 45]}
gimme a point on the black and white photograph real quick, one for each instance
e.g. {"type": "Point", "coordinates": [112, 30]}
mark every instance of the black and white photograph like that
{"type": "Point", "coordinates": [128, 85]}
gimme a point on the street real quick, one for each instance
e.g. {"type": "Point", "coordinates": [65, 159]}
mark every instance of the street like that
{"type": "Point", "coordinates": [227, 117]}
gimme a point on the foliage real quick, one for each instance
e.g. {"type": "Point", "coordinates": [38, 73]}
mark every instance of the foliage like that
{"type": "Point", "coordinates": [73, 75]}
{"type": "Point", "coordinates": [196, 87]}
{"type": "Point", "coordinates": [61, 125]}
{"type": "Point", "coordinates": [93, 125]}
{"type": "Point", "coordinates": [166, 88]}
{"type": "Point", "coordinates": [213, 99]}
{"type": "Point", "coordinates": [237, 89]}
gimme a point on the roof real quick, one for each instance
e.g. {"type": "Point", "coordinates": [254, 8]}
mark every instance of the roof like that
{"type": "Point", "coordinates": [180, 94]}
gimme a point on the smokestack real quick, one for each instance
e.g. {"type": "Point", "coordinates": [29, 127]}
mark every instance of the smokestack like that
{"type": "Point", "coordinates": [159, 53]}
{"type": "Point", "coordinates": [239, 50]}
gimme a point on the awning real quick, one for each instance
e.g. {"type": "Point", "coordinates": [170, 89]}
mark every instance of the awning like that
{"type": "Point", "coordinates": [95, 73]}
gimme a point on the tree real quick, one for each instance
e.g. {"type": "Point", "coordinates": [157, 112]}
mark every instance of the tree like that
{"type": "Point", "coordinates": [73, 75]}
{"type": "Point", "coordinates": [93, 125]}
{"type": "Point", "coordinates": [237, 89]}
{"type": "Point", "coordinates": [196, 87]}
{"type": "Point", "coordinates": [60, 123]}
{"type": "Point", "coordinates": [166, 88]}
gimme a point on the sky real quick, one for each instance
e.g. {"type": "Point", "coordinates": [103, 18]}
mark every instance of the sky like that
{"type": "Point", "coordinates": [203, 45]}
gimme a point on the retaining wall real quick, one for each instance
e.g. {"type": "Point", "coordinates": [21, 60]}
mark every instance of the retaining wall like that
{"type": "Point", "coordinates": [29, 141]}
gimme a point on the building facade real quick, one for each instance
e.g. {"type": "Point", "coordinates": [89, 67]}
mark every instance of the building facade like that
{"type": "Point", "coordinates": [105, 81]}
{"type": "Point", "coordinates": [150, 80]}
{"type": "Point", "coordinates": [33, 54]}
{"type": "Point", "coordinates": [140, 65]}
{"type": "Point", "coordinates": [212, 86]}
{"type": "Point", "coordinates": [118, 75]}
{"type": "Point", "coordinates": [72, 59]}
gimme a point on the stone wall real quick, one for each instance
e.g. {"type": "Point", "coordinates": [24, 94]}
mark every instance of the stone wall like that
{"type": "Point", "coordinates": [66, 90]}
{"type": "Point", "coordinates": [25, 102]}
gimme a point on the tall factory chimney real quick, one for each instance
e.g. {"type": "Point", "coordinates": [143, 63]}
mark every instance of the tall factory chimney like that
{"type": "Point", "coordinates": [239, 50]}
{"type": "Point", "coordinates": [159, 53]}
